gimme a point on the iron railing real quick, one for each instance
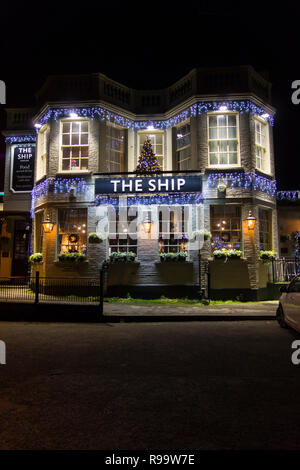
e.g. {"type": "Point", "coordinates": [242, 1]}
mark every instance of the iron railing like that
{"type": "Point", "coordinates": [37, 290]}
{"type": "Point", "coordinates": [283, 269]}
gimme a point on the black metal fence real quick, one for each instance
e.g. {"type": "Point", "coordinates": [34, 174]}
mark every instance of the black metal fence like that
{"type": "Point", "coordinates": [283, 269]}
{"type": "Point", "coordinates": [36, 290]}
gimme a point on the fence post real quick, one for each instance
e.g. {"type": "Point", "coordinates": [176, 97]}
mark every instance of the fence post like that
{"type": "Point", "coordinates": [102, 278]}
{"type": "Point", "coordinates": [37, 287]}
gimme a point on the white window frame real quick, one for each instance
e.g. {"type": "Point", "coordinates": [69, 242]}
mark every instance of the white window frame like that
{"type": "Point", "coordinates": [107, 161]}
{"type": "Point", "coordinates": [41, 161]}
{"type": "Point", "coordinates": [227, 113]}
{"type": "Point", "coordinates": [178, 150]}
{"type": "Point", "coordinates": [61, 146]}
{"type": "Point", "coordinates": [265, 148]}
{"type": "Point", "coordinates": [165, 244]}
{"type": "Point", "coordinates": [131, 242]}
{"type": "Point", "coordinates": [148, 134]}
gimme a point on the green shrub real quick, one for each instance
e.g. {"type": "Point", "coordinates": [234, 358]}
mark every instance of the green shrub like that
{"type": "Point", "coordinates": [199, 233]}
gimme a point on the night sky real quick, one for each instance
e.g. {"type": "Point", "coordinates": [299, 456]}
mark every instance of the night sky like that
{"type": "Point", "coordinates": [151, 45]}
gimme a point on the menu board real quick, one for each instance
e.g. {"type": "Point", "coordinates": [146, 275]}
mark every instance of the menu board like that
{"type": "Point", "coordinates": [23, 168]}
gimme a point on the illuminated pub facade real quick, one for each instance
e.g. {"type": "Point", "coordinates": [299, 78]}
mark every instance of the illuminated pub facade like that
{"type": "Point", "coordinates": [211, 133]}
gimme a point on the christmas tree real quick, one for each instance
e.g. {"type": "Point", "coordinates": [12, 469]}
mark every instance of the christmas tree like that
{"type": "Point", "coordinates": [148, 162]}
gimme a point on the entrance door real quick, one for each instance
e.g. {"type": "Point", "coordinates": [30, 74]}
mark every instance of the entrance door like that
{"type": "Point", "coordinates": [21, 248]}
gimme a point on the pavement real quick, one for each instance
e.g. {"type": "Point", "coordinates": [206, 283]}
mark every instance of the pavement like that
{"type": "Point", "coordinates": [243, 310]}
{"type": "Point", "coordinates": [149, 386]}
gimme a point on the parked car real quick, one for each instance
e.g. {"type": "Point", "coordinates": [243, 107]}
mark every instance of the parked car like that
{"type": "Point", "coordinates": [288, 311]}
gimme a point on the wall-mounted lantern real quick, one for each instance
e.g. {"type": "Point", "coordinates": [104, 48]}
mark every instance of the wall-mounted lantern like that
{"type": "Point", "coordinates": [251, 221]}
{"type": "Point", "coordinates": [147, 224]}
{"type": "Point", "coordinates": [47, 225]}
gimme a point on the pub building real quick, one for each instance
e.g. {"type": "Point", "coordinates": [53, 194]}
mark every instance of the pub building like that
{"type": "Point", "coordinates": [175, 173]}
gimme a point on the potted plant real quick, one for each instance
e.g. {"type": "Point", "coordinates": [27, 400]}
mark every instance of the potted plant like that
{"type": "Point", "coordinates": [219, 254]}
{"type": "Point", "coordinates": [227, 254]}
{"type": "Point", "coordinates": [72, 257]}
{"type": "Point", "coordinates": [267, 256]}
{"type": "Point", "coordinates": [36, 258]}
{"type": "Point", "coordinates": [202, 233]}
{"type": "Point", "coordinates": [122, 256]}
{"type": "Point", "coordinates": [95, 238]}
{"type": "Point", "coordinates": [233, 254]}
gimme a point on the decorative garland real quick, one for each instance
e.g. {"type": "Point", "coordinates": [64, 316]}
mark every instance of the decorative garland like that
{"type": "Point", "coordinates": [97, 112]}
{"type": "Point", "coordinates": [56, 186]}
{"type": "Point", "coordinates": [243, 180]}
{"type": "Point", "coordinates": [288, 195]}
{"type": "Point", "coordinates": [20, 139]}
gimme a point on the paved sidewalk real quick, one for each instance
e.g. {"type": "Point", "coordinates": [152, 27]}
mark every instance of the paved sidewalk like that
{"type": "Point", "coordinates": [243, 310]}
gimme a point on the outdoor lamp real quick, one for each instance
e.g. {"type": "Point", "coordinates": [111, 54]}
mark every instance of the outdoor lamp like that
{"type": "Point", "coordinates": [147, 224]}
{"type": "Point", "coordinates": [47, 225]}
{"type": "Point", "coordinates": [251, 221]}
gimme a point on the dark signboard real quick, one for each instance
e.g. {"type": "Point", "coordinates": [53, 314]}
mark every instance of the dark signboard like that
{"type": "Point", "coordinates": [157, 184]}
{"type": "Point", "coordinates": [23, 168]}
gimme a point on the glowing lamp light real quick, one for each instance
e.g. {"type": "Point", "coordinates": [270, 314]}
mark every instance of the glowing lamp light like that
{"type": "Point", "coordinates": [38, 126]}
{"type": "Point", "coordinates": [73, 115]}
{"type": "Point", "coordinates": [47, 225]}
{"type": "Point", "coordinates": [150, 128]}
{"type": "Point", "coordinates": [223, 108]}
{"type": "Point", "coordinates": [265, 115]}
{"type": "Point", "coordinates": [147, 224]}
{"type": "Point", "coordinates": [251, 221]}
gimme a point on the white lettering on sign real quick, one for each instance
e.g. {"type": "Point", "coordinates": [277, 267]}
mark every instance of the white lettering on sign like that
{"type": "Point", "coordinates": [161, 184]}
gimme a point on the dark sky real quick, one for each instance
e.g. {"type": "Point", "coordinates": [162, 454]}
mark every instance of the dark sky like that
{"type": "Point", "coordinates": [151, 45]}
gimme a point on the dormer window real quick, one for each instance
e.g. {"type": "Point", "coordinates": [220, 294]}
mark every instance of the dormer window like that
{"type": "Point", "coordinates": [75, 148]}
{"type": "Point", "coordinates": [223, 148]}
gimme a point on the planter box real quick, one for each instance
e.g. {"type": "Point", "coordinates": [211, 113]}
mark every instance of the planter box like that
{"type": "Point", "coordinates": [232, 274]}
{"type": "Point", "coordinates": [175, 272]}
{"type": "Point", "coordinates": [122, 272]}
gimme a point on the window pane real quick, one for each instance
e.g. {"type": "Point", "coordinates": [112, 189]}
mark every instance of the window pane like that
{"type": "Point", "coordinates": [66, 139]}
{"type": "Point", "coordinates": [66, 127]}
{"type": "Point", "coordinates": [75, 139]}
{"type": "Point", "coordinates": [66, 164]}
{"type": "Point", "coordinates": [84, 126]}
{"type": "Point", "coordinates": [75, 127]}
{"type": "Point", "coordinates": [212, 121]}
{"type": "Point", "coordinates": [213, 133]}
{"type": "Point", "coordinates": [84, 139]}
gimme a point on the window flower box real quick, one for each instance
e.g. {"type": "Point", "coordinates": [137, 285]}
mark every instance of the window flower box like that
{"type": "Point", "coordinates": [95, 238]}
{"type": "Point", "coordinates": [36, 258]}
{"type": "Point", "coordinates": [122, 257]}
{"type": "Point", "coordinates": [171, 257]}
{"type": "Point", "coordinates": [71, 257]}
{"type": "Point", "coordinates": [201, 233]}
{"type": "Point", "coordinates": [227, 254]}
{"type": "Point", "coordinates": [267, 256]}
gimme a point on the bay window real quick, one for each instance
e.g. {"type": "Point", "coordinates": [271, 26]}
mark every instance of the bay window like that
{"type": "Point", "coordinates": [120, 237]}
{"type": "Point", "coordinates": [261, 146]}
{"type": "Point", "coordinates": [172, 229]}
{"type": "Point", "coordinates": [41, 165]}
{"type": "Point", "coordinates": [265, 229]}
{"type": "Point", "coordinates": [75, 149]}
{"type": "Point", "coordinates": [72, 230]}
{"type": "Point", "coordinates": [223, 140]}
{"type": "Point", "coordinates": [225, 227]}
{"type": "Point", "coordinates": [183, 147]}
{"type": "Point", "coordinates": [157, 143]}
{"type": "Point", "coordinates": [115, 148]}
